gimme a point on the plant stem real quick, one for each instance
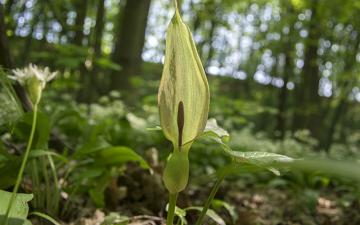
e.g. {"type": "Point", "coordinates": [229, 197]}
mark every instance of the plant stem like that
{"type": "Point", "coordinates": [22, 167]}
{"type": "Point", "coordinates": [210, 199]}
{"type": "Point", "coordinates": [171, 208]}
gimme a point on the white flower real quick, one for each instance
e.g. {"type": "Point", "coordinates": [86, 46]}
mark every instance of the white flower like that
{"type": "Point", "coordinates": [34, 79]}
{"type": "Point", "coordinates": [32, 71]}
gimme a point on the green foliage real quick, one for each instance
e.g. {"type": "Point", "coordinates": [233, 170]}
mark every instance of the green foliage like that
{"type": "Point", "coordinates": [42, 132]}
{"type": "Point", "coordinates": [181, 214]}
{"type": "Point", "coordinates": [19, 211]}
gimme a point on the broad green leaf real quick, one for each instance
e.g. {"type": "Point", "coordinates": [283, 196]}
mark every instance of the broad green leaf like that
{"type": "Point", "coordinates": [19, 210]}
{"type": "Point", "coordinates": [210, 213]}
{"type": "Point", "coordinates": [120, 155]}
{"type": "Point", "coordinates": [258, 159]}
{"type": "Point", "coordinates": [266, 160]}
{"type": "Point", "coordinates": [339, 169]}
{"type": "Point", "coordinates": [213, 129]}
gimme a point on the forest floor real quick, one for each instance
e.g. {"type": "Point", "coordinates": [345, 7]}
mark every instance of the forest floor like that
{"type": "Point", "coordinates": [253, 205]}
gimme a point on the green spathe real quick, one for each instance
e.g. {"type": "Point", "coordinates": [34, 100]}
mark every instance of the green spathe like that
{"type": "Point", "coordinates": [183, 100]}
{"type": "Point", "coordinates": [183, 81]}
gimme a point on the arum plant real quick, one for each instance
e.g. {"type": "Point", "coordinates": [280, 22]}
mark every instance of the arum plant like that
{"type": "Point", "coordinates": [183, 100]}
{"type": "Point", "coordinates": [34, 80]}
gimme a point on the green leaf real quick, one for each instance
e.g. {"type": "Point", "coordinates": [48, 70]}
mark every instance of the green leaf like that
{"type": "Point", "coordinates": [217, 203]}
{"type": "Point", "coordinates": [115, 219]}
{"type": "Point", "coordinates": [259, 159]}
{"type": "Point", "coordinates": [106, 63]}
{"type": "Point", "coordinates": [9, 166]}
{"type": "Point", "coordinates": [97, 193]}
{"type": "Point", "coordinates": [340, 169]}
{"type": "Point", "coordinates": [93, 146]}
{"type": "Point", "coordinates": [42, 132]}
{"type": "Point", "coordinates": [119, 155]}
{"type": "Point", "coordinates": [266, 160]}
{"type": "Point", "coordinates": [181, 214]}
{"type": "Point", "coordinates": [210, 213]}
{"type": "Point", "coordinates": [213, 129]}
{"type": "Point", "coordinates": [156, 128]}
{"type": "Point", "coordinates": [38, 153]}
{"type": "Point", "coordinates": [19, 210]}
{"type": "Point", "coordinates": [46, 217]}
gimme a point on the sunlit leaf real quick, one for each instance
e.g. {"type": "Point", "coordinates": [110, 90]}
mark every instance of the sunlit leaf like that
{"type": "Point", "coordinates": [19, 210]}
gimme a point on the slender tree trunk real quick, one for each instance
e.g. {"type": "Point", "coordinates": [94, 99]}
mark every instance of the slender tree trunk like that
{"type": "Point", "coordinates": [5, 59]}
{"type": "Point", "coordinates": [8, 6]}
{"type": "Point", "coordinates": [283, 96]}
{"type": "Point", "coordinates": [287, 71]}
{"type": "Point", "coordinates": [90, 89]}
{"type": "Point", "coordinates": [99, 28]}
{"type": "Point", "coordinates": [307, 99]}
{"type": "Point", "coordinates": [81, 9]}
{"type": "Point", "coordinates": [130, 42]}
{"type": "Point", "coordinates": [342, 104]}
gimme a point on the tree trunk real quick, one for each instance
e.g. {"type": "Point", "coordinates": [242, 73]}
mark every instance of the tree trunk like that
{"type": "Point", "coordinates": [81, 8]}
{"type": "Point", "coordinates": [99, 27]}
{"type": "Point", "coordinates": [307, 99]}
{"type": "Point", "coordinates": [350, 62]}
{"type": "Point", "coordinates": [287, 71]}
{"type": "Point", "coordinates": [5, 59]}
{"type": "Point", "coordinates": [130, 42]}
{"type": "Point", "coordinates": [8, 6]}
{"type": "Point", "coordinates": [90, 88]}
{"type": "Point", "coordinates": [283, 96]}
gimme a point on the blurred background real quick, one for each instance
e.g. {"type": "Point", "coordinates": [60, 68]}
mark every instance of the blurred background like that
{"type": "Point", "coordinates": [284, 77]}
